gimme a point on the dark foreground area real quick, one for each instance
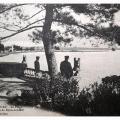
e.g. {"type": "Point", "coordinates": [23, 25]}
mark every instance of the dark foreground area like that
{"type": "Point", "coordinates": [13, 104]}
{"type": "Point", "coordinates": [64, 96]}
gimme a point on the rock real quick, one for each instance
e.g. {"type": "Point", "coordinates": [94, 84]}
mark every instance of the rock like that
{"type": "Point", "coordinates": [13, 93]}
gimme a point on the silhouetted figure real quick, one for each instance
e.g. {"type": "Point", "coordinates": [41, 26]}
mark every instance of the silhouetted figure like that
{"type": "Point", "coordinates": [66, 68]}
{"type": "Point", "coordinates": [24, 60]}
{"type": "Point", "coordinates": [76, 67]}
{"type": "Point", "coordinates": [2, 47]}
{"type": "Point", "coordinates": [24, 64]}
{"type": "Point", "coordinates": [37, 64]}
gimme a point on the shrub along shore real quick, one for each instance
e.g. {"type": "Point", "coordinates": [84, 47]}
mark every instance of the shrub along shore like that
{"type": "Point", "coordinates": [64, 96]}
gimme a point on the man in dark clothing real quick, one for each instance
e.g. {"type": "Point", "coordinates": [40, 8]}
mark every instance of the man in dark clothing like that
{"type": "Point", "coordinates": [66, 68]}
{"type": "Point", "coordinates": [24, 61]}
{"type": "Point", "coordinates": [37, 64]}
{"type": "Point", "coordinates": [24, 65]}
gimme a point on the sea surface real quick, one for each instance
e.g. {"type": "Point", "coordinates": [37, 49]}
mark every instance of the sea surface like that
{"type": "Point", "coordinates": [93, 65]}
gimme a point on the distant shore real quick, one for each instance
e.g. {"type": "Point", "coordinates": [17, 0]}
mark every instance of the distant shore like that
{"type": "Point", "coordinates": [63, 50]}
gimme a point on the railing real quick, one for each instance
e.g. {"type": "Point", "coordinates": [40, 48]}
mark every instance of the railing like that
{"type": "Point", "coordinates": [31, 73]}
{"type": "Point", "coordinates": [13, 69]}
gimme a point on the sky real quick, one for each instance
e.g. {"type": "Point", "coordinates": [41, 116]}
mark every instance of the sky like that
{"type": "Point", "coordinates": [23, 39]}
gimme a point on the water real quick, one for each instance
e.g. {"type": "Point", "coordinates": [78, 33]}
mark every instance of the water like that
{"type": "Point", "coordinates": [93, 65]}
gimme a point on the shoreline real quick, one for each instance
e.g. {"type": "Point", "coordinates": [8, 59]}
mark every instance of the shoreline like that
{"type": "Point", "coordinates": [82, 50]}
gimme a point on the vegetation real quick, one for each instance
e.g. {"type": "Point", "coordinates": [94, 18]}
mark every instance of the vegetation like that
{"type": "Point", "coordinates": [64, 96]}
{"type": "Point", "coordinates": [53, 91]}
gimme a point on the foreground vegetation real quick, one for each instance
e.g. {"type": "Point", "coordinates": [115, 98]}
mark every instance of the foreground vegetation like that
{"type": "Point", "coordinates": [64, 96]}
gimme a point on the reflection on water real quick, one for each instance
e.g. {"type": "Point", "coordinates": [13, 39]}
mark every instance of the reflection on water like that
{"type": "Point", "coordinates": [93, 65]}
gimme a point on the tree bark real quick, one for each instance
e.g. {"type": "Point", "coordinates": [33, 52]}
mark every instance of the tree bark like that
{"type": "Point", "coordinates": [47, 41]}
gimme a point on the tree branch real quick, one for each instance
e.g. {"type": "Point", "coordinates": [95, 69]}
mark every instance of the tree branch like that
{"type": "Point", "coordinates": [8, 29]}
{"type": "Point", "coordinates": [35, 14]}
{"type": "Point", "coordinates": [81, 26]}
{"type": "Point", "coordinates": [5, 28]}
{"type": "Point", "coordinates": [2, 38]}
{"type": "Point", "coordinates": [32, 23]}
{"type": "Point", "coordinates": [67, 23]}
{"type": "Point", "coordinates": [13, 7]}
{"type": "Point", "coordinates": [11, 25]}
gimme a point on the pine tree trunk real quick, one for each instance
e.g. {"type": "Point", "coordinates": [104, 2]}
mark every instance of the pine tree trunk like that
{"type": "Point", "coordinates": [47, 41]}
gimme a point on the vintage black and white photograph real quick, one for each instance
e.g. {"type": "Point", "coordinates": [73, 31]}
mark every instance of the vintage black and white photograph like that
{"type": "Point", "coordinates": [59, 59]}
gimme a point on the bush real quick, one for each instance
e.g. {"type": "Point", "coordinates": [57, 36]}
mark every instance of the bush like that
{"type": "Point", "coordinates": [58, 94]}
{"type": "Point", "coordinates": [101, 99]}
{"type": "Point", "coordinates": [64, 96]}
{"type": "Point", "coordinates": [96, 100]}
{"type": "Point", "coordinates": [107, 96]}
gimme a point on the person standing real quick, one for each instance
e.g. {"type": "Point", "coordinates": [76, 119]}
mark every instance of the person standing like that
{"type": "Point", "coordinates": [37, 64]}
{"type": "Point", "coordinates": [24, 66]}
{"type": "Point", "coordinates": [24, 60]}
{"type": "Point", "coordinates": [66, 68]}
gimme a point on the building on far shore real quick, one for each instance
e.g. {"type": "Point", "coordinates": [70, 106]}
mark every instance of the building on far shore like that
{"type": "Point", "coordinates": [13, 48]}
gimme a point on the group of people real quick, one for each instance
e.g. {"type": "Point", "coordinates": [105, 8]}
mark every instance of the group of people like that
{"type": "Point", "coordinates": [65, 66]}
{"type": "Point", "coordinates": [36, 63]}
